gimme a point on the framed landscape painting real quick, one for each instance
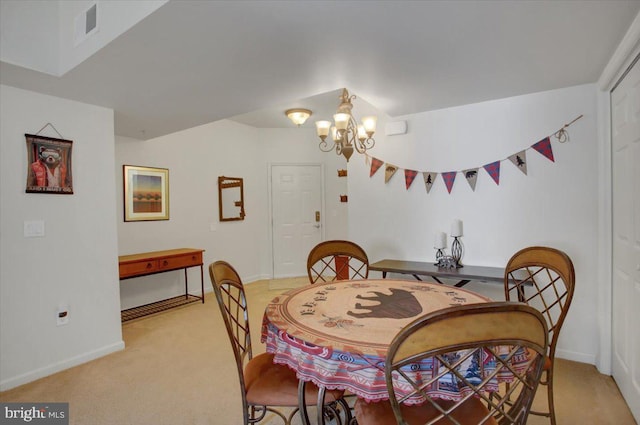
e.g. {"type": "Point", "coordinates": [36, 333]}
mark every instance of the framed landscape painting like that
{"type": "Point", "coordinates": [146, 193]}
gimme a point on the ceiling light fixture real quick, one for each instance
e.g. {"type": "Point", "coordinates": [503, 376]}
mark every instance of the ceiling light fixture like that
{"type": "Point", "coordinates": [346, 134]}
{"type": "Point", "coordinates": [298, 115]}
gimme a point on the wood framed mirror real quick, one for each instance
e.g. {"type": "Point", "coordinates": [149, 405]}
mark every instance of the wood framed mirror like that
{"type": "Point", "coordinates": [230, 198]}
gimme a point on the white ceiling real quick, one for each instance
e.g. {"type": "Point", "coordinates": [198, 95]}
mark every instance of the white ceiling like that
{"type": "Point", "coordinates": [194, 62]}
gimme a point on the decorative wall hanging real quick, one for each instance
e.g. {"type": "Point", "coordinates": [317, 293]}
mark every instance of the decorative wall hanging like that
{"type": "Point", "coordinates": [49, 165]}
{"type": "Point", "coordinates": [471, 174]}
{"type": "Point", "coordinates": [230, 198]}
{"type": "Point", "coordinates": [146, 193]}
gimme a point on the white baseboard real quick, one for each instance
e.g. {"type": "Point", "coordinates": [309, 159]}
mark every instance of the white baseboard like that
{"type": "Point", "coordinates": [33, 375]}
{"type": "Point", "coordinates": [575, 356]}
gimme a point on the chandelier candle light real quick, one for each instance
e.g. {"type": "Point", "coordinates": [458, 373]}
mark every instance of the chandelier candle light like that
{"type": "Point", "coordinates": [456, 245]}
{"type": "Point", "coordinates": [346, 134]}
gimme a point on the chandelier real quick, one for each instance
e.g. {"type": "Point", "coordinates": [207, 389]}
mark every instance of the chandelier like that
{"type": "Point", "coordinates": [346, 134]}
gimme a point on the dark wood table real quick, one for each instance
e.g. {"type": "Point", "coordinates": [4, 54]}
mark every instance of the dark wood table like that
{"type": "Point", "coordinates": [418, 268]}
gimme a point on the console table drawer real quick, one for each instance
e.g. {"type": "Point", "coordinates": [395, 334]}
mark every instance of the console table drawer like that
{"type": "Point", "coordinates": [138, 268]}
{"type": "Point", "coordinates": [180, 262]}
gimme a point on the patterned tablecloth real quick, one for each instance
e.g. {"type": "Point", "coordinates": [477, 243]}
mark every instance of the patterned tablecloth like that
{"type": "Point", "coordinates": [337, 334]}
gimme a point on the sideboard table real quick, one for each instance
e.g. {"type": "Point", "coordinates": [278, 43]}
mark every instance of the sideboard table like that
{"type": "Point", "coordinates": [148, 263]}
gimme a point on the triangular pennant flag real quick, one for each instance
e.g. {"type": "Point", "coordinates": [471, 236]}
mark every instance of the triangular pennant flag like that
{"type": "Point", "coordinates": [449, 177]}
{"type": "Point", "coordinates": [389, 171]}
{"type": "Point", "coordinates": [409, 176]}
{"type": "Point", "coordinates": [429, 179]}
{"type": "Point", "coordinates": [472, 176]}
{"type": "Point", "coordinates": [544, 147]}
{"type": "Point", "coordinates": [375, 165]}
{"type": "Point", "coordinates": [520, 160]}
{"type": "Point", "coordinates": [494, 171]}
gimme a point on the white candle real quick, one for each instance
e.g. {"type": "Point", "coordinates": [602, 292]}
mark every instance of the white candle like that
{"type": "Point", "coordinates": [456, 228]}
{"type": "Point", "coordinates": [440, 241]}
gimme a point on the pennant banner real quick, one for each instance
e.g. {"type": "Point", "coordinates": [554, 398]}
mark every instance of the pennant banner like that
{"type": "Point", "coordinates": [519, 160]}
{"type": "Point", "coordinates": [375, 165]}
{"type": "Point", "coordinates": [429, 179]}
{"type": "Point", "coordinates": [409, 177]}
{"type": "Point", "coordinates": [472, 176]}
{"type": "Point", "coordinates": [449, 178]}
{"type": "Point", "coordinates": [389, 171]}
{"type": "Point", "coordinates": [544, 147]}
{"type": "Point", "coordinates": [493, 170]}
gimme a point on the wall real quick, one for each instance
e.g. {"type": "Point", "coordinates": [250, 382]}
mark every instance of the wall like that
{"type": "Point", "coordinates": [75, 262]}
{"type": "Point", "coordinates": [195, 158]}
{"type": "Point", "coordinates": [556, 204]}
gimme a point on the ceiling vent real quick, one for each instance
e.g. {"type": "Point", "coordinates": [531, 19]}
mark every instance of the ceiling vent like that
{"type": "Point", "coordinates": [86, 24]}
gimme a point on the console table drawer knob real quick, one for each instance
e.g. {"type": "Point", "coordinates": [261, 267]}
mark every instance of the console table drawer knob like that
{"type": "Point", "coordinates": [149, 265]}
{"type": "Point", "coordinates": [165, 263]}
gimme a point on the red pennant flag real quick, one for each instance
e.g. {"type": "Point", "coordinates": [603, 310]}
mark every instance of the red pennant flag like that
{"type": "Point", "coordinates": [409, 176]}
{"type": "Point", "coordinates": [494, 171]}
{"type": "Point", "coordinates": [449, 177]}
{"type": "Point", "coordinates": [375, 166]}
{"type": "Point", "coordinates": [544, 147]}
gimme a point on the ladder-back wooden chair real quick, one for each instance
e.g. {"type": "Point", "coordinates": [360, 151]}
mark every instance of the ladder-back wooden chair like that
{"type": "Point", "coordinates": [337, 260]}
{"type": "Point", "coordinates": [264, 384]}
{"type": "Point", "coordinates": [467, 349]}
{"type": "Point", "coordinates": [544, 278]}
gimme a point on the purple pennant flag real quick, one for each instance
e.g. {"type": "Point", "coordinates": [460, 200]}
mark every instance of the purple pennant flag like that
{"type": "Point", "coordinates": [544, 147]}
{"type": "Point", "coordinates": [449, 177]}
{"type": "Point", "coordinates": [494, 171]}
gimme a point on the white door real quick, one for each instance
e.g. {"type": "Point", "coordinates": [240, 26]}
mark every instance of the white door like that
{"type": "Point", "coordinates": [625, 139]}
{"type": "Point", "coordinates": [296, 201]}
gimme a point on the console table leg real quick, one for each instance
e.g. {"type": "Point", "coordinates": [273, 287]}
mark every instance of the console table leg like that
{"type": "Point", "coordinates": [186, 285]}
{"type": "Point", "coordinates": [202, 283]}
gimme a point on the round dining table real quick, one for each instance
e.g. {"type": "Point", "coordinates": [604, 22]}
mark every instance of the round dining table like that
{"type": "Point", "coordinates": [337, 334]}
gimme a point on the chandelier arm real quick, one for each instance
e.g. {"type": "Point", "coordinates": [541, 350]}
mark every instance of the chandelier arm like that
{"type": "Point", "coordinates": [325, 147]}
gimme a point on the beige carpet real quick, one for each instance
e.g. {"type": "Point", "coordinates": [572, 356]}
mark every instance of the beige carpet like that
{"type": "Point", "coordinates": [177, 368]}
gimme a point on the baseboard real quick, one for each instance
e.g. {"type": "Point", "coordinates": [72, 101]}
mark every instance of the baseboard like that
{"type": "Point", "coordinates": [575, 356]}
{"type": "Point", "coordinates": [16, 381]}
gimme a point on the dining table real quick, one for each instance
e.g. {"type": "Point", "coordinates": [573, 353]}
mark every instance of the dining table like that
{"type": "Point", "coordinates": [337, 334]}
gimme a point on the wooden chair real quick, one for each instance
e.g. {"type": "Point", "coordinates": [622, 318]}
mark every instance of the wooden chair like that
{"type": "Point", "coordinates": [337, 260]}
{"type": "Point", "coordinates": [461, 341]}
{"type": "Point", "coordinates": [543, 278]}
{"type": "Point", "coordinates": [264, 384]}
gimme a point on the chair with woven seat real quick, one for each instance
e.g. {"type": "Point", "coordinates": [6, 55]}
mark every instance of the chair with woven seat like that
{"type": "Point", "coordinates": [264, 385]}
{"type": "Point", "coordinates": [544, 278]}
{"type": "Point", "coordinates": [337, 260]}
{"type": "Point", "coordinates": [465, 348]}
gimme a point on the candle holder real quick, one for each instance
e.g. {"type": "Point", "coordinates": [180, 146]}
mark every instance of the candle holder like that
{"type": "Point", "coordinates": [439, 255]}
{"type": "Point", "coordinates": [457, 251]}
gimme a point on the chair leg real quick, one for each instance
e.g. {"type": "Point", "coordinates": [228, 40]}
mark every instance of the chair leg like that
{"type": "Point", "coordinates": [552, 410]}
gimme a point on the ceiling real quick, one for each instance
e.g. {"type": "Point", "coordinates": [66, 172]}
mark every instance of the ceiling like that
{"type": "Point", "coordinates": [194, 62]}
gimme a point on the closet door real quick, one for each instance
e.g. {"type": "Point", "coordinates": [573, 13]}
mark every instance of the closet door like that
{"type": "Point", "coordinates": [625, 139]}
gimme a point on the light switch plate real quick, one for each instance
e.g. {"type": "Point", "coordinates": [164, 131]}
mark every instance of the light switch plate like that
{"type": "Point", "coordinates": [34, 229]}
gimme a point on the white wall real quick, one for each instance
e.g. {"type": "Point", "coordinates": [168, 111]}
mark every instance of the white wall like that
{"type": "Point", "coordinates": [195, 158]}
{"type": "Point", "coordinates": [556, 204]}
{"type": "Point", "coordinates": [75, 262]}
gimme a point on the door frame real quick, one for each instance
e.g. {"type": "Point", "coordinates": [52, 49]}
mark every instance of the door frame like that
{"type": "Point", "coordinates": [620, 61]}
{"type": "Point", "coordinates": [270, 166]}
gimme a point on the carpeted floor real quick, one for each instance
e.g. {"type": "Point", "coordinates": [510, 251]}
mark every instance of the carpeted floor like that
{"type": "Point", "coordinates": [177, 368]}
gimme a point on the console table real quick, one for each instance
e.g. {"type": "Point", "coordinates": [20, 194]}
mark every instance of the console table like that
{"type": "Point", "coordinates": [418, 268]}
{"type": "Point", "coordinates": [148, 263]}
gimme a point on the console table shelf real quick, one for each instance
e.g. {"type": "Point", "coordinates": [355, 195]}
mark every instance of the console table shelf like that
{"type": "Point", "coordinates": [148, 263]}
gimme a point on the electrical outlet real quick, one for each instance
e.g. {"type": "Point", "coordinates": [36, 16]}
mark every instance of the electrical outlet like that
{"type": "Point", "coordinates": [62, 315]}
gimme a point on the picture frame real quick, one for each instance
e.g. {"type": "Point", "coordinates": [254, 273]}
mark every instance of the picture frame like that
{"type": "Point", "coordinates": [146, 193]}
{"type": "Point", "coordinates": [49, 165]}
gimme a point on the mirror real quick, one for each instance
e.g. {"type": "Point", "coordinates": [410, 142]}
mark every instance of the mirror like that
{"type": "Point", "coordinates": [230, 198]}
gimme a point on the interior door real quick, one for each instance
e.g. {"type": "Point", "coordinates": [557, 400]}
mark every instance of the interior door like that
{"type": "Point", "coordinates": [297, 217]}
{"type": "Point", "coordinates": [625, 139]}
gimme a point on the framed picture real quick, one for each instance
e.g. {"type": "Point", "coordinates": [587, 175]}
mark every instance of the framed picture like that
{"type": "Point", "coordinates": [48, 165]}
{"type": "Point", "coordinates": [146, 193]}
